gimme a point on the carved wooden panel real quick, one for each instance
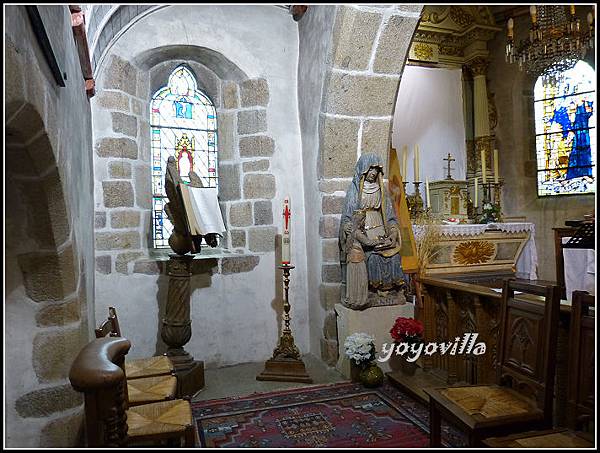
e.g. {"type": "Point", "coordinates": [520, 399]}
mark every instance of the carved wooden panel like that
{"type": "Point", "coordinates": [524, 343]}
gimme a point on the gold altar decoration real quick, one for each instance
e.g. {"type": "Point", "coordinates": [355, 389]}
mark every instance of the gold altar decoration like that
{"type": "Point", "coordinates": [493, 251]}
{"type": "Point", "coordinates": [449, 199]}
{"type": "Point", "coordinates": [473, 252]}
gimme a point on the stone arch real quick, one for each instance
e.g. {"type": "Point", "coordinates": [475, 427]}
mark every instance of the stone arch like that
{"type": "Point", "coordinates": [44, 288]}
{"type": "Point", "coordinates": [366, 56]}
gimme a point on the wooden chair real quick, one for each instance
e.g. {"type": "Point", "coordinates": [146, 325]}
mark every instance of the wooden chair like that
{"type": "Point", "coordinates": [135, 368]}
{"type": "Point", "coordinates": [149, 379]}
{"type": "Point", "coordinates": [521, 399]}
{"type": "Point", "coordinates": [99, 373]}
{"type": "Point", "coordinates": [580, 388]}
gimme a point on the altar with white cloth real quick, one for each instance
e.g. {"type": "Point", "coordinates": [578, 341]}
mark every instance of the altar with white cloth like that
{"type": "Point", "coordinates": [483, 247]}
{"type": "Point", "coordinates": [580, 269]}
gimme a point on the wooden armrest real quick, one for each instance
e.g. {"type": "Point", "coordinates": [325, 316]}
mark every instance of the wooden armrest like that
{"type": "Point", "coordinates": [95, 365]}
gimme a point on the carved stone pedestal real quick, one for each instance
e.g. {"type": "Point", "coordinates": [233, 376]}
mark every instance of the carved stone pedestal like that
{"type": "Point", "coordinates": [177, 327]}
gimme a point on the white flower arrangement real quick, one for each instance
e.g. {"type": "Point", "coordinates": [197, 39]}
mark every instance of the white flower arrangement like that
{"type": "Point", "coordinates": [360, 347]}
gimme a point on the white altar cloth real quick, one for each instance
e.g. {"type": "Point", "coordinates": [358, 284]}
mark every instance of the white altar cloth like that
{"type": "Point", "coordinates": [580, 269]}
{"type": "Point", "coordinates": [528, 260]}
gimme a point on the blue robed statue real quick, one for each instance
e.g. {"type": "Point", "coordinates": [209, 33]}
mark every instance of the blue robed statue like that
{"type": "Point", "coordinates": [370, 240]}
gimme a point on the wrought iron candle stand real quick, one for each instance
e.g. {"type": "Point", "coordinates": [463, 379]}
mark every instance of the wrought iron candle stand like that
{"type": "Point", "coordinates": [286, 365]}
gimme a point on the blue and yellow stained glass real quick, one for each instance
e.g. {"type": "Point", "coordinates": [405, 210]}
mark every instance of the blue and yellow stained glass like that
{"type": "Point", "coordinates": [183, 123]}
{"type": "Point", "coordinates": [565, 126]}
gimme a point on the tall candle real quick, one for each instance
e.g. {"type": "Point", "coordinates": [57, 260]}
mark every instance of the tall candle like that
{"type": "Point", "coordinates": [496, 166]}
{"type": "Point", "coordinates": [285, 237]}
{"type": "Point", "coordinates": [427, 191]}
{"type": "Point", "coordinates": [475, 202]}
{"type": "Point", "coordinates": [416, 162]}
{"type": "Point", "coordinates": [483, 167]}
{"type": "Point", "coordinates": [404, 159]}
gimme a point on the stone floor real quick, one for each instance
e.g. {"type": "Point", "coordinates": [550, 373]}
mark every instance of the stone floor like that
{"type": "Point", "coordinates": [240, 380]}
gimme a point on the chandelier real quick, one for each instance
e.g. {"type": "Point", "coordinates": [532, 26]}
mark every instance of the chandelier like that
{"type": "Point", "coordinates": [556, 42]}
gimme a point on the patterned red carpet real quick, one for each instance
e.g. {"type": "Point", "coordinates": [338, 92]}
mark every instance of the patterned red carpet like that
{"type": "Point", "coordinates": [338, 415]}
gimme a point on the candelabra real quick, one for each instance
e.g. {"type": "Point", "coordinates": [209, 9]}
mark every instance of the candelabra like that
{"type": "Point", "coordinates": [556, 42]}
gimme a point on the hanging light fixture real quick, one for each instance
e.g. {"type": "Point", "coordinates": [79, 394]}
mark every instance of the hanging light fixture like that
{"type": "Point", "coordinates": [556, 42]}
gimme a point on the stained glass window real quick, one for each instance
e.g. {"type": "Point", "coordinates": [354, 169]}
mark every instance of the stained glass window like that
{"type": "Point", "coordinates": [183, 124]}
{"type": "Point", "coordinates": [565, 127]}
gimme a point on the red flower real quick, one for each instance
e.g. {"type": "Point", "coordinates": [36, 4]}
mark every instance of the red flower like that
{"type": "Point", "coordinates": [407, 330]}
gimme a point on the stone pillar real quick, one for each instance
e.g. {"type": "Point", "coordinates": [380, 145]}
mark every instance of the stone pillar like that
{"type": "Point", "coordinates": [483, 139]}
{"type": "Point", "coordinates": [177, 326]}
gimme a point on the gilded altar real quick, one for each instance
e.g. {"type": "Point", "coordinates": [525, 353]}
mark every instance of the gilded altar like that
{"type": "Point", "coordinates": [495, 247]}
{"type": "Point", "coordinates": [449, 199]}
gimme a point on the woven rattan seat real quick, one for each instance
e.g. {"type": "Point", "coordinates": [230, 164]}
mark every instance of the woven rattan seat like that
{"type": "Point", "coordinates": [488, 400]}
{"type": "Point", "coordinates": [159, 418]}
{"type": "Point", "coordinates": [148, 367]}
{"type": "Point", "coordinates": [152, 389]}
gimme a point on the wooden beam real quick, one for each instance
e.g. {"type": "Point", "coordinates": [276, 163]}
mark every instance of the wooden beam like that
{"type": "Point", "coordinates": [297, 11]}
{"type": "Point", "coordinates": [44, 42]}
{"type": "Point", "coordinates": [78, 24]}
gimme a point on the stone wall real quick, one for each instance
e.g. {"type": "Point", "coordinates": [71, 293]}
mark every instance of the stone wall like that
{"type": "Point", "coordinates": [515, 140]}
{"type": "Point", "coordinates": [49, 235]}
{"type": "Point", "coordinates": [258, 145]}
{"type": "Point", "coordinates": [361, 74]}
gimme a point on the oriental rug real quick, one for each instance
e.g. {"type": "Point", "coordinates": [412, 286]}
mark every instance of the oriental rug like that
{"type": "Point", "coordinates": [339, 415]}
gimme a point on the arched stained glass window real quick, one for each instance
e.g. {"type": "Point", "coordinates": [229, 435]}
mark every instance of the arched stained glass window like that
{"type": "Point", "coordinates": [183, 124]}
{"type": "Point", "coordinates": [565, 127]}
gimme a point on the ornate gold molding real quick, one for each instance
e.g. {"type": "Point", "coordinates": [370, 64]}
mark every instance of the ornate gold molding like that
{"type": "Point", "coordinates": [478, 66]}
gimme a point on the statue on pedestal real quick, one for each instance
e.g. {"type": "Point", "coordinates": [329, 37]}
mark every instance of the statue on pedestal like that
{"type": "Point", "coordinates": [377, 234]}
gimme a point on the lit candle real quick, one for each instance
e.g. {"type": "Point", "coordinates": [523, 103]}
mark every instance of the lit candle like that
{"type": "Point", "coordinates": [285, 237]}
{"type": "Point", "coordinates": [496, 166]}
{"type": "Point", "coordinates": [533, 12]}
{"type": "Point", "coordinates": [404, 159]}
{"type": "Point", "coordinates": [416, 162]}
{"type": "Point", "coordinates": [475, 202]}
{"type": "Point", "coordinates": [483, 167]}
{"type": "Point", "coordinates": [427, 191]}
{"type": "Point", "coordinates": [510, 28]}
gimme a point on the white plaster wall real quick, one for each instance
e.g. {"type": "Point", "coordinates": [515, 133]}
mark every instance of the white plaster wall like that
{"type": "Point", "coordinates": [263, 42]}
{"type": "Point", "coordinates": [429, 113]}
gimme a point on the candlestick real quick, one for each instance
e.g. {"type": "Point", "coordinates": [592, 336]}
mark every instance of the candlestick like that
{"type": "Point", "coordinates": [475, 203]}
{"type": "Point", "coordinates": [416, 162]}
{"type": "Point", "coordinates": [285, 237]}
{"type": "Point", "coordinates": [418, 199]}
{"type": "Point", "coordinates": [495, 166]}
{"type": "Point", "coordinates": [286, 363]}
{"type": "Point", "coordinates": [497, 186]}
{"type": "Point", "coordinates": [483, 167]}
{"type": "Point", "coordinates": [427, 192]}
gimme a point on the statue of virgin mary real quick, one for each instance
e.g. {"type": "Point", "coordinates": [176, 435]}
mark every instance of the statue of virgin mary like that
{"type": "Point", "coordinates": [367, 192]}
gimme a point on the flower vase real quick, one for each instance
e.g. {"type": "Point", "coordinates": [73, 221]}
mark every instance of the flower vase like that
{"type": "Point", "coordinates": [408, 368]}
{"type": "Point", "coordinates": [371, 376]}
{"type": "Point", "coordinates": [355, 370]}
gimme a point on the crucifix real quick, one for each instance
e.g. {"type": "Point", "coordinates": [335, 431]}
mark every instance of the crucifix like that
{"type": "Point", "coordinates": [449, 159]}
